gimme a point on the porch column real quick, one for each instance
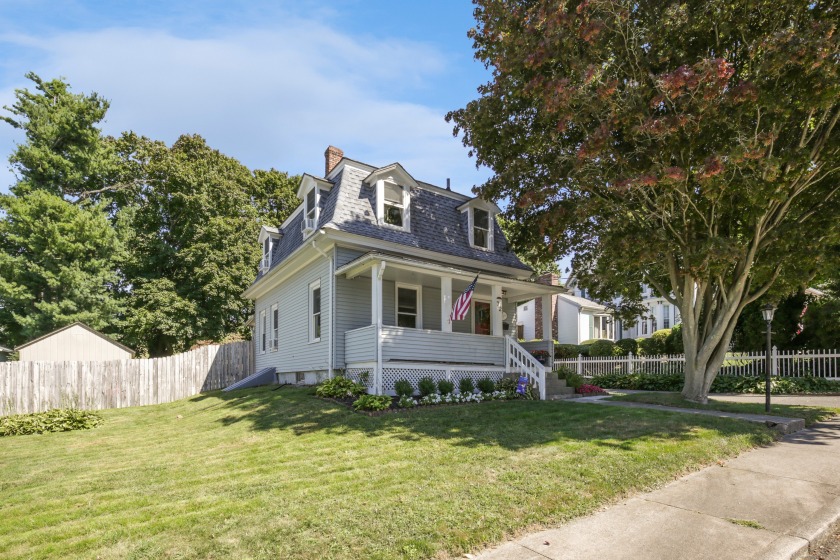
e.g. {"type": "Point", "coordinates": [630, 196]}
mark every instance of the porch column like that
{"type": "Point", "coordinates": [445, 303]}
{"type": "Point", "coordinates": [495, 311]}
{"type": "Point", "coordinates": [376, 319]}
{"type": "Point", "coordinates": [546, 316]}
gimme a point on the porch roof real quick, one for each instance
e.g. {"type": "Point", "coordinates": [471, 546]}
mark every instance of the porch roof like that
{"type": "Point", "coordinates": [517, 290]}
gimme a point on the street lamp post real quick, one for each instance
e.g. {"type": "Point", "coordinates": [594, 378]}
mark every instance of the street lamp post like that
{"type": "Point", "coordinates": [767, 312]}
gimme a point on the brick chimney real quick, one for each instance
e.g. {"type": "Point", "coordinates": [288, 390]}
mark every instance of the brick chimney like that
{"type": "Point", "coordinates": [332, 156]}
{"type": "Point", "coordinates": [548, 279]}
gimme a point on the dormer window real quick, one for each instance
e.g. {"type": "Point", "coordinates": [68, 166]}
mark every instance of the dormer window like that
{"type": "Point", "coordinates": [269, 237]}
{"type": "Point", "coordinates": [392, 204]}
{"type": "Point", "coordinates": [480, 216]}
{"type": "Point", "coordinates": [312, 203]}
{"type": "Point", "coordinates": [481, 228]}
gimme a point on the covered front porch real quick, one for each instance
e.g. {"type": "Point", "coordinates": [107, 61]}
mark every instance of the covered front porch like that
{"type": "Point", "coordinates": [410, 334]}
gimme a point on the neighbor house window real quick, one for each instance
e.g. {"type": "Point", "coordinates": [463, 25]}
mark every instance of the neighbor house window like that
{"type": "Point", "coordinates": [644, 325]}
{"type": "Point", "coordinates": [315, 311]}
{"type": "Point", "coordinates": [603, 327]}
{"type": "Point", "coordinates": [408, 307]}
{"type": "Point", "coordinates": [263, 331]}
{"type": "Point", "coordinates": [275, 327]}
{"type": "Point", "coordinates": [481, 229]}
{"type": "Point", "coordinates": [666, 316]}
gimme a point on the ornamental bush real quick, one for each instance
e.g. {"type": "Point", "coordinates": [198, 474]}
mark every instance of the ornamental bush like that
{"type": "Point", "coordinates": [445, 387]}
{"type": "Point", "coordinates": [486, 385]}
{"type": "Point", "coordinates": [55, 420]}
{"type": "Point", "coordinates": [505, 384]}
{"type": "Point", "coordinates": [466, 385]}
{"type": "Point", "coordinates": [627, 345]}
{"type": "Point", "coordinates": [406, 402]}
{"type": "Point", "coordinates": [569, 351]}
{"type": "Point", "coordinates": [572, 378]}
{"type": "Point", "coordinates": [403, 388]}
{"type": "Point", "coordinates": [340, 388]}
{"type": "Point", "coordinates": [426, 386]}
{"type": "Point", "coordinates": [372, 402]}
{"type": "Point", "coordinates": [721, 384]}
{"type": "Point", "coordinates": [602, 348]}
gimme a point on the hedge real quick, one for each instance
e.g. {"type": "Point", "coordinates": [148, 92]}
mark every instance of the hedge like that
{"type": "Point", "coordinates": [721, 384]}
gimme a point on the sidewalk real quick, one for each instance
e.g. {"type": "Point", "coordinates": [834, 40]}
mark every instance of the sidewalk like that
{"type": "Point", "coordinates": [769, 503]}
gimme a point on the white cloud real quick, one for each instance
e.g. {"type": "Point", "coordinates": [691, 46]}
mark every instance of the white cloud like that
{"type": "Point", "coordinates": [269, 97]}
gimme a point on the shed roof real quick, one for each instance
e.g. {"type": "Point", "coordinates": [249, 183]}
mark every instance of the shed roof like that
{"type": "Point", "coordinates": [583, 303]}
{"type": "Point", "coordinates": [79, 324]}
{"type": "Point", "coordinates": [4, 349]}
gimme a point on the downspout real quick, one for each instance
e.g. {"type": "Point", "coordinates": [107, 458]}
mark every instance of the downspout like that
{"type": "Point", "coordinates": [332, 307]}
{"type": "Point", "coordinates": [378, 380]}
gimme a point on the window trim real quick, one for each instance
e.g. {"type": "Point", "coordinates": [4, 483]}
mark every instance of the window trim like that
{"type": "Point", "coordinates": [316, 285]}
{"type": "Point", "coordinates": [380, 205]}
{"type": "Point", "coordinates": [275, 327]}
{"type": "Point", "coordinates": [419, 315]}
{"type": "Point", "coordinates": [491, 221]}
{"type": "Point", "coordinates": [263, 333]}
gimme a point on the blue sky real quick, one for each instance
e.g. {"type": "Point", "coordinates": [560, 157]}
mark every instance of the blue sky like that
{"type": "Point", "coordinates": [269, 83]}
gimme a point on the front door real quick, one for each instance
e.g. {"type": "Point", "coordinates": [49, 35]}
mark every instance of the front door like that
{"type": "Point", "coordinates": [481, 317]}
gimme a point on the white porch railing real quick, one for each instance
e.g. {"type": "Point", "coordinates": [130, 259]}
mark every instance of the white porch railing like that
{"type": "Point", "coordinates": [784, 363]}
{"type": "Point", "coordinates": [519, 360]}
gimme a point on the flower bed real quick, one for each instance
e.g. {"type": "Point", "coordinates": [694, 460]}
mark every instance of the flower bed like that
{"type": "Point", "coordinates": [589, 390]}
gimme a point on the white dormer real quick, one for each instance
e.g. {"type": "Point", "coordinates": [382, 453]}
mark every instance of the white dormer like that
{"type": "Point", "coordinates": [268, 238]}
{"type": "Point", "coordinates": [393, 187]}
{"type": "Point", "coordinates": [481, 218]}
{"type": "Point", "coordinates": [310, 191]}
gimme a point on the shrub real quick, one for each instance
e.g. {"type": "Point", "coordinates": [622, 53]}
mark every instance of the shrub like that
{"type": "Point", "coordinates": [587, 389]}
{"type": "Point", "coordinates": [372, 402]}
{"type": "Point", "coordinates": [721, 384]}
{"type": "Point", "coordinates": [602, 348]}
{"type": "Point", "coordinates": [445, 387]}
{"type": "Point", "coordinates": [626, 346]}
{"type": "Point", "coordinates": [569, 351]}
{"type": "Point", "coordinates": [589, 341]}
{"type": "Point", "coordinates": [426, 386]}
{"type": "Point", "coordinates": [406, 402]}
{"type": "Point", "coordinates": [340, 388]}
{"type": "Point", "coordinates": [55, 420]}
{"type": "Point", "coordinates": [487, 385]}
{"type": "Point", "coordinates": [674, 341]}
{"type": "Point", "coordinates": [655, 344]}
{"type": "Point", "coordinates": [403, 388]}
{"type": "Point", "coordinates": [466, 385]}
{"type": "Point", "coordinates": [571, 376]}
{"type": "Point", "coordinates": [505, 384]}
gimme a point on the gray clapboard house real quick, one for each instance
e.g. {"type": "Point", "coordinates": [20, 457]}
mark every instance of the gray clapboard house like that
{"type": "Point", "coordinates": [362, 276]}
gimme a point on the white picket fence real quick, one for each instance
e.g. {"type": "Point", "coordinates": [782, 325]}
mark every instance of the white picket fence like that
{"type": "Point", "coordinates": [783, 363]}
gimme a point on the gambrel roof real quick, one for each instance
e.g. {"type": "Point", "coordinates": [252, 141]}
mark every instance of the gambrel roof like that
{"type": "Point", "coordinates": [438, 223]}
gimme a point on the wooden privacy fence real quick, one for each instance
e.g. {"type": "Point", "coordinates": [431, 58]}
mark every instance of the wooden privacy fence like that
{"type": "Point", "coordinates": [783, 363]}
{"type": "Point", "coordinates": [37, 386]}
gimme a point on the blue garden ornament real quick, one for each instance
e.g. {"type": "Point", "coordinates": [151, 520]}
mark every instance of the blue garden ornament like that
{"type": "Point", "coordinates": [522, 384]}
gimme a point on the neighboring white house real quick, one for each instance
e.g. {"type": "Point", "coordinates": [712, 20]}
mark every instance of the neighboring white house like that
{"type": "Point", "coordinates": [362, 277]}
{"type": "Point", "coordinates": [76, 342]}
{"type": "Point", "coordinates": [660, 315]}
{"type": "Point", "coordinates": [576, 319]}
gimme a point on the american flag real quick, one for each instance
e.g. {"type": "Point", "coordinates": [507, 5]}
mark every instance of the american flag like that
{"type": "Point", "coordinates": [462, 304]}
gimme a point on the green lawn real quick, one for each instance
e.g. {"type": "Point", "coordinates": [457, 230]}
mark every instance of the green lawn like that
{"type": "Point", "coordinates": [810, 414]}
{"type": "Point", "coordinates": [280, 474]}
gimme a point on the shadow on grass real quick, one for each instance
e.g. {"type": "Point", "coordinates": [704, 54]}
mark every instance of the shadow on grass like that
{"type": "Point", "coordinates": [510, 425]}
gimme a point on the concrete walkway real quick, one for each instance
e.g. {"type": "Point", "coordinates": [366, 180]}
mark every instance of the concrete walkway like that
{"type": "Point", "coordinates": [769, 503]}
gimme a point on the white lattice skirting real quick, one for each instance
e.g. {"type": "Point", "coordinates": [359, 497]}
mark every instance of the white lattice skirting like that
{"type": "Point", "coordinates": [392, 373]}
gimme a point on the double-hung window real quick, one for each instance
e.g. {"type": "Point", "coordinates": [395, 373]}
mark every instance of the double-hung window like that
{"type": "Point", "coordinates": [408, 307]}
{"type": "Point", "coordinates": [481, 228]}
{"type": "Point", "coordinates": [275, 328]}
{"type": "Point", "coordinates": [263, 326]}
{"type": "Point", "coordinates": [312, 203]}
{"type": "Point", "coordinates": [666, 316]}
{"type": "Point", "coordinates": [394, 205]}
{"type": "Point", "coordinates": [315, 311]}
